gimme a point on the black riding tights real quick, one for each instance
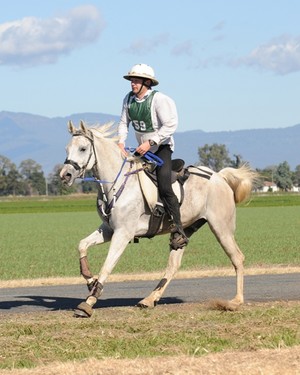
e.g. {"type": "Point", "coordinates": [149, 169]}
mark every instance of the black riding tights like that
{"type": "Point", "coordinates": [164, 182]}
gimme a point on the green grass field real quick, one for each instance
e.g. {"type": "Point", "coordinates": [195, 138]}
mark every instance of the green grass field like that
{"type": "Point", "coordinates": [39, 238]}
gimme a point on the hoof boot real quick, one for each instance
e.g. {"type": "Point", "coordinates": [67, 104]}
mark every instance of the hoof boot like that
{"type": "Point", "coordinates": [83, 310]}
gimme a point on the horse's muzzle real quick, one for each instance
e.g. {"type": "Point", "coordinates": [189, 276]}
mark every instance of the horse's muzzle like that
{"type": "Point", "coordinates": [66, 176]}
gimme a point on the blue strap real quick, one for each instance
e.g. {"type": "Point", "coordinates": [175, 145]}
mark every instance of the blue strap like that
{"type": "Point", "coordinates": [149, 156]}
{"type": "Point", "coordinates": [153, 158]}
{"type": "Point", "coordinates": [88, 179]}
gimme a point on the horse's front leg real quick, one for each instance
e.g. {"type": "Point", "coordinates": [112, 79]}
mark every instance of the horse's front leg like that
{"type": "Point", "coordinates": [173, 266]}
{"type": "Point", "coordinates": [101, 235]}
{"type": "Point", "coordinates": [119, 241]}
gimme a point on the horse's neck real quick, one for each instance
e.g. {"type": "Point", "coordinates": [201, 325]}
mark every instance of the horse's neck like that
{"type": "Point", "coordinates": [109, 160]}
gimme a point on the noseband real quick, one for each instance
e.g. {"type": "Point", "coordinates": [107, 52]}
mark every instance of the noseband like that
{"type": "Point", "coordinates": [74, 164]}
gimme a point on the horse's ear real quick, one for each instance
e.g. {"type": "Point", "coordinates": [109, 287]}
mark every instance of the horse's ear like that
{"type": "Point", "coordinates": [83, 127]}
{"type": "Point", "coordinates": [71, 127]}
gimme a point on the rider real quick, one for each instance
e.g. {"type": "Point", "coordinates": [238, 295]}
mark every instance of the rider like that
{"type": "Point", "coordinates": [154, 119]}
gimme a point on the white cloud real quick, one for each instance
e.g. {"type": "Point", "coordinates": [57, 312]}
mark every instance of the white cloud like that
{"type": "Point", "coordinates": [143, 46]}
{"type": "Point", "coordinates": [219, 26]}
{"type": "Point", "coordinates": [218, 31]}
{"type": "Point", "coordinates": [184, 48]}
{"type": "Point", "coordinates": [281, 55]}
{"type": "Point", "coordinates": [33, 41]}
{"type": "Point", "coordinates": [209, 62]}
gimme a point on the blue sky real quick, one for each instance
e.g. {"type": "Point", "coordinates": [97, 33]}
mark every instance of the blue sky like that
{"type": "Point", "coordinates": [228, 64]}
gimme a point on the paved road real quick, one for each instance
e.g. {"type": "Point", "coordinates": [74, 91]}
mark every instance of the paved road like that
{"type": "Point", "coordinates": [51, 298]}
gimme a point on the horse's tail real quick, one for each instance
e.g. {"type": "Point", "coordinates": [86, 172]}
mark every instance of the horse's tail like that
{"type": "Point", "coordinates": [241, 181]}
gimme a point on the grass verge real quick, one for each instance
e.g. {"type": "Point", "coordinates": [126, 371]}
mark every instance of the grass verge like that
{"type": "Point", "coordinates": [167, 331]}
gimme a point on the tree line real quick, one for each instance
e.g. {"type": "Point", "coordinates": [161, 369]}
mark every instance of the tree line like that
{"type": "Point", "coordinates": [217, 157]}
{"type": "Point", "coordinates": [28, 178]}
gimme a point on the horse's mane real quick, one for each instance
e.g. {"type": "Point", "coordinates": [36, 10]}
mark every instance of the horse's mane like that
{"type": "Point", "coordinates": [107, 130]}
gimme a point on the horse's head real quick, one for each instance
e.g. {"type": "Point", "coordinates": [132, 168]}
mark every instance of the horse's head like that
{"type": "Point", "coordinates": [80, 154]}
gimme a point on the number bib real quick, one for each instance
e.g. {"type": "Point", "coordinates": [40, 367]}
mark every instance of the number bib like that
{"type": "Point", "coordinates": [140, 113]}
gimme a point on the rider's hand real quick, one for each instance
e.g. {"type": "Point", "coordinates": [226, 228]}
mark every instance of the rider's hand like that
{"type": "Point", "coordinates": [143, 148]}
{"type": "Point", "coordinates": [122, 148]}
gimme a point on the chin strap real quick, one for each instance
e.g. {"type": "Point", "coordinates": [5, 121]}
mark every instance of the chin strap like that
{"type": "Point", "coordinates": [144, 84]}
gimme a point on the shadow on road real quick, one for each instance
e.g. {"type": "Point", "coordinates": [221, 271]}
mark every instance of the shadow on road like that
{"type": "Point", "coordinates": [51, 303]}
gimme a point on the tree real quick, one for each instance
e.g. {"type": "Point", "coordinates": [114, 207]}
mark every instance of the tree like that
{"type": "Point", "coordinates": [214, 156]}
{"type": "Point", "coordinates": [283, 176]}
{"type": "Point", "coordinates": [268, 173]}
{"type": "Point", "coordinates": [15, 184]}
{"type": "Point", "coordinates": [296, 176]}
{"type": "Point", "coordinates": [10, 179]}
{"type": "Point", "coordinates": [4, 168]}
{"type": "Point", "coordinates": [35, 182]}
{"type": "Point", "coordinates": [237, 162]}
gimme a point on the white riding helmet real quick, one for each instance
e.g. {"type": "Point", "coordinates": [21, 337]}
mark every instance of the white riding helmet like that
{"type": "Point", "coordinates": [142, 71]}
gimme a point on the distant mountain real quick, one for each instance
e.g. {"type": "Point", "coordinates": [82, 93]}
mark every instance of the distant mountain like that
{"type": "Point", "coordinates": [26, 136]}
{"type": "Point", "coordinates": [260, 147]}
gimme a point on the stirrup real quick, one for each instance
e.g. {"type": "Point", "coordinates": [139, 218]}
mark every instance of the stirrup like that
{"type": "Point", "coordinates": [178, 239]}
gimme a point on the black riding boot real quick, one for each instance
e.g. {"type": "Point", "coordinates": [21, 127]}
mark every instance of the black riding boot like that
{"type": "Point", "coordinates": [178, 239]}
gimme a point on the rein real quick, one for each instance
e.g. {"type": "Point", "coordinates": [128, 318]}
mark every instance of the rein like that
{"type": "Point", "coordinates": [117, 195]}
{"type": "Point", "coordinates": [103, 204]}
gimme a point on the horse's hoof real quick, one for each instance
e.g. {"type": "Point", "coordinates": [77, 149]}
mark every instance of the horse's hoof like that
{"type": "Point", "coordinates": [83, 310]}
{"type": "Point", "coordinates": [142, 305]}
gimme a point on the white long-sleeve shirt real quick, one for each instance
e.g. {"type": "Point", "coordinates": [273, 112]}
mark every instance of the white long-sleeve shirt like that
{"type": "Point", "coordinates": [164, 120]}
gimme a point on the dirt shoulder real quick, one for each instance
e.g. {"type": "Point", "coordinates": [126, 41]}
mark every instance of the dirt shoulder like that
{"type": "Point", "coordinates": [218, 272]}
{"type": "Point", "coordinates": [263, 362]}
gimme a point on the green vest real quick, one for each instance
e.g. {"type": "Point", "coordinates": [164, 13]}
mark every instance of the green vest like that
{"type": "Point", "coordinates": [140, 113]}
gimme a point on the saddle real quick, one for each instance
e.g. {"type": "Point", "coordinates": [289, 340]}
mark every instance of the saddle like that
{"type": "Point", "coordinates": [148, 184]}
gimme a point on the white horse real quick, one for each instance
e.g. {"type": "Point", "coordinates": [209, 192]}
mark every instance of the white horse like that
{"type": "Point", "coordinates": [208, 197]}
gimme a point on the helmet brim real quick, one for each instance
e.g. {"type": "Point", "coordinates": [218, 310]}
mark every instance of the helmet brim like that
{"type": "Point", "coordinates": [153, 80]}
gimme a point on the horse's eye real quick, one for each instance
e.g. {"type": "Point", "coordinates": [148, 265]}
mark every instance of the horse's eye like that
{"type": "Point", "coordinates": [82, 149]}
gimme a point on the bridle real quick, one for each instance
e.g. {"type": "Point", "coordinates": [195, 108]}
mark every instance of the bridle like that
{"type": "Point", "coordinates": [103, 205]}
{"type": "Point", "coordinates": [74, 164]}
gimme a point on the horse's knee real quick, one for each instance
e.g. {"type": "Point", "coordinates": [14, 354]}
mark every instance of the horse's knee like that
{"type": "Point", "coordinates": [95, 238]}
{"type": "Point", "coordinates": [82, 249]}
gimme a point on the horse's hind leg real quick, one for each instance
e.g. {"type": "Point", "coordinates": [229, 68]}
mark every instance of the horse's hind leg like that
{"type": "Point", "coordinates": [173, 266]}
{"type": "Point", "coordinates": [225, 236]}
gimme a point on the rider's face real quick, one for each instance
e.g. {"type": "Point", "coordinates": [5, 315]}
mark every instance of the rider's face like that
{"type": "Point", "coordinates": [137, 86]}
